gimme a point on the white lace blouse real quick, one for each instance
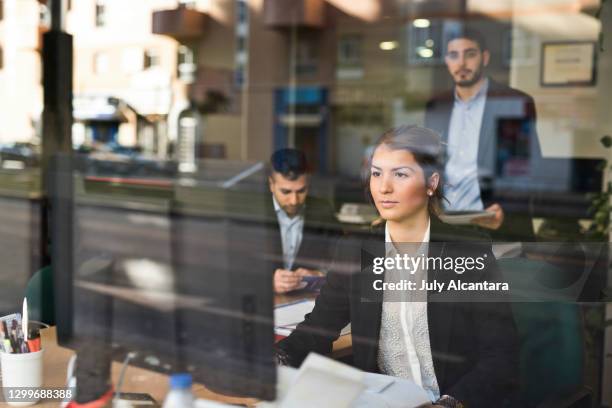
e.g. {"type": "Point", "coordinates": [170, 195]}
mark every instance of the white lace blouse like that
{"type": "Point", "coordinates": [404, 350]}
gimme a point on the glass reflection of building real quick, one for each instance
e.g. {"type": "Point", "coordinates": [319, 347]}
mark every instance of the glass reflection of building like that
{"type": "Point", "coordinates": [235, 80]}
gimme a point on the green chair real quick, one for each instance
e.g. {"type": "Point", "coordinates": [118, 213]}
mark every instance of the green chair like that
{"type": "Point", "coordinates": [39, 293]}
{"type": "Point", "coordinates": [551, 334]}
{"type": "Point", "coordinates": [551, 355]}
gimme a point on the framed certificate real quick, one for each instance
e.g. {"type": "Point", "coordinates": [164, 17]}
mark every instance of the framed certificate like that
{"type": "Point", "coordinates": [568, 64]}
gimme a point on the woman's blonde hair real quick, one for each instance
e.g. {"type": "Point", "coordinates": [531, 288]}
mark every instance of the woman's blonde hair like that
{"type": "Point", "coordinates": [426, 147]}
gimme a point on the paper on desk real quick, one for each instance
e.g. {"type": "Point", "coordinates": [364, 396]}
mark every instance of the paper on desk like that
{"type": "Point", "coordinates": [285, 377]}
{"type": "Point", "coordinates": [287, 330]}
{"type": "Point", "coordinates": [288, 316]}
{"type": "Point", "coordinates": [507, 250]}
{"type": "Point", "coordinates": [390, 392]}
{"type": "Point", "coordinates": [324, 383]}
{"type": "Point", "coordinates": [464, 217]}
{"type": "Point", "coordinates": [381, 391]}
{"type": "Point", "coordinates": [377, 382]}
{"type": "Point", "coordinates": [292, 313]}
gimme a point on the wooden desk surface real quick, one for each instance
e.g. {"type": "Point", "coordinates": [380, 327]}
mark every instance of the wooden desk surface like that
{"type": "Point", "coordinates": [141, 380]}
{"type": "Point", "coordinates": [136, 379]}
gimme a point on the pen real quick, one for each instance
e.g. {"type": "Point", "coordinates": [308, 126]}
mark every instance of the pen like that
{"type": "Point", "coordinates": [5, 343]}
{"type": "Point", "coordinates": [15, 344]}
{"type": "Point", "coordinates": [24, 319]}
{"type": "Point", "coordinates": [23, 346]}
{"type": "Point", "coordinates": [12, 346]}
{"type": "Point", "coordinates": [34, 340]}
{"type": "Point", "coordinates": [16, 339]}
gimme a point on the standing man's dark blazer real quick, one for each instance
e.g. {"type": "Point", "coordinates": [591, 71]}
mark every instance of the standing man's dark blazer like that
{"type": "Point", "coordinates": [473, 344]}
{"type": "Point", "coordinates": [319, 236]}
{"type": "Point", "coordinates": [503, 102]}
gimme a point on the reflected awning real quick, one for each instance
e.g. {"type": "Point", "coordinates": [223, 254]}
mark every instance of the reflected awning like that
{"type": "Point", "coordinates": [181, 23]}
{"type": "Point", "coordinates": [101, 108]}
{"type": "Point", "coordinates": [288, 13]}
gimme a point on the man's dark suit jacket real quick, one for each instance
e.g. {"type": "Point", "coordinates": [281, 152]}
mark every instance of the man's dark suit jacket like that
{"type": "Point", "coordinates": [319, 236]}
{"type": "Point", "coordinates": [474, 344]}
{"type": "Point", "coordinates": [502, 103]}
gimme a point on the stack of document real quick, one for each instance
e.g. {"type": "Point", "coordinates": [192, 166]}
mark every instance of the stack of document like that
{"type": "Point", "coordinates": [324, 383]}
{"type": "Point", "coordinates": [464, 217]}
{"type": "Point", "coordinates": [356, 213]}
{"type": "Point", "coordinates": [289, 315]}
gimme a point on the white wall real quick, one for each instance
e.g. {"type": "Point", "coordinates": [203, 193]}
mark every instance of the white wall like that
{"type": "Point", "coordinates": [20, 88]}
{"type": "Point", "coordinates": [569, 118]}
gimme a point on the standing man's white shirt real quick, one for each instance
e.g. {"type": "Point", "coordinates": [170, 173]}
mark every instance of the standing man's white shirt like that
{"type": "Point", "coordinates": [291, 233]}
{"type": "Point", "coordinates": [404, 349]}
{"type": "Point", "coordinates": [463, 189]}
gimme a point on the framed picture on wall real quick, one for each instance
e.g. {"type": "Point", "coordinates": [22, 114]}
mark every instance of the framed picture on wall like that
{"type": "Point", "coordinates": [568, 63]}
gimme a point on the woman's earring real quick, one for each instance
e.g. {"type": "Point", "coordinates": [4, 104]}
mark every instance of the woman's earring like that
{"type": "Point", "coordinates": [429, 193]}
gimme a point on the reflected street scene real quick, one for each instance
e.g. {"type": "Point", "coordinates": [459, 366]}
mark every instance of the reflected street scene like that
{"type": "Point", "coordinates": [307, 202]}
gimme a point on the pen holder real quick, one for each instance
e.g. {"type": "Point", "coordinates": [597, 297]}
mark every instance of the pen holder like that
{"type": "Point", "coordinates": [22, 378]}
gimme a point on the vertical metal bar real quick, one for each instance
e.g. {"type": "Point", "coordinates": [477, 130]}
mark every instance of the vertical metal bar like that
{"type": "Point", "coordinates": [56, 173]}
{"type": "Point", "coordinates": [293, 80]}
{"type": "Point", "coordinates": [57, 116]}
{"type": "Point", "coordinates": [58, 15]}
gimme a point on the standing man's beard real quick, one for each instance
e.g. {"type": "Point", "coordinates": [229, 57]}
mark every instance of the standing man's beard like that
{"type": "Point", "coordinates": [292, 210]}
{"type": "Point", "coordinates": [466, 83]}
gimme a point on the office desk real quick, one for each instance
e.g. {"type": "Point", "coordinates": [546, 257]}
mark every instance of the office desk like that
{"type": "Point", "coordinates": [136, 379]}
{"type": "Point", "coordinates": [142, 380]}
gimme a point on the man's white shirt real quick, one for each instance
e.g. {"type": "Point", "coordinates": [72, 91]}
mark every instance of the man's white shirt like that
{"type": "Point", "coordinates": [291, 230]}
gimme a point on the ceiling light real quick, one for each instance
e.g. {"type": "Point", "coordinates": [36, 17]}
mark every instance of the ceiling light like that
{"type": "Point", "coordinates": [421, 23]}
{"type": "Point", "coordinates": [425, 52]}
{"type": "Point", "coordinates": [388, 45]}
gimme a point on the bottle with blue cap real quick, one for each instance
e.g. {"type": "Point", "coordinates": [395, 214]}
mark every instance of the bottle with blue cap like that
{"type": "Point", "coordinates": [180, 395]}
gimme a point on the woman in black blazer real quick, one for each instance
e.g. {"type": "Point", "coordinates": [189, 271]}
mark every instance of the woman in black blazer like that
{"type": "Point", "coordinates": [463, 352]}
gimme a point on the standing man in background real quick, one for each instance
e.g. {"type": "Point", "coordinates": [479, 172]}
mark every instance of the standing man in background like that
{"type": "Point", "coordinates": [304, 238]}
{"type": "Point", "coordinates": [470, 119]}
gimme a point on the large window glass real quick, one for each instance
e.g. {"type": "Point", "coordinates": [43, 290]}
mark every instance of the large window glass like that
{"type": "Point", "coordinates": [168, 115]}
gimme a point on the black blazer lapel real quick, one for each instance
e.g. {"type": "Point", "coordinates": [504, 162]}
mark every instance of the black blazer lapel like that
{"type": "Point", "coordinates": [487, 139]}
{"type": "Point", "coordinates": [368, 306]}
{"type": "Point", "coordinates": [440, 315]}
{"type": "Point", "coordinates": [275, 245]}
